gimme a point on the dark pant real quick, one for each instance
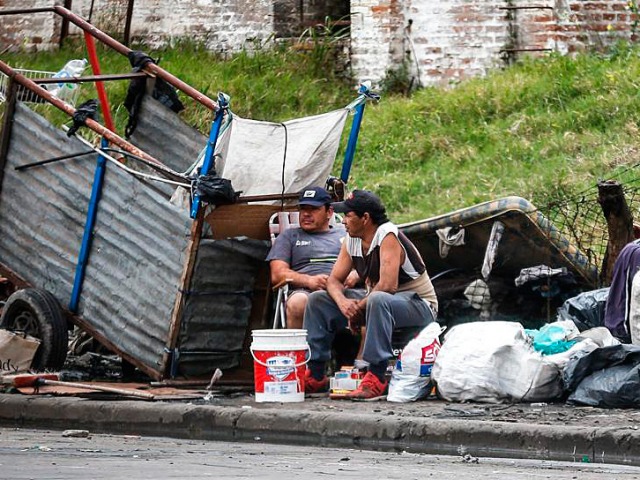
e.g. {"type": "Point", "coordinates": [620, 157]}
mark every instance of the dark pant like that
{"type": "Point", "coordinates": [385, 311]}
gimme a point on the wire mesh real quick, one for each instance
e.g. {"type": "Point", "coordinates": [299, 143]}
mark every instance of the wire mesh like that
{"type": "Point", "coordinates": [70, 95]}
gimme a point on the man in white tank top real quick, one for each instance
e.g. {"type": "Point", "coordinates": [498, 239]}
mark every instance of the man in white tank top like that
{"type": "Point", "coordinates": [399, 293]}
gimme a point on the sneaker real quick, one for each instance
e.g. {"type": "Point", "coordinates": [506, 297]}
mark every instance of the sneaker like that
{"type": "Point", "coordinates": [311, 385]}
{"type": "Point", "coordinates": [370, 387]}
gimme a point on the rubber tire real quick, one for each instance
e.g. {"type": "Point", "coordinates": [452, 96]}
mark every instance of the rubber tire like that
{"type": "Point", "coordinates": [38, 313]}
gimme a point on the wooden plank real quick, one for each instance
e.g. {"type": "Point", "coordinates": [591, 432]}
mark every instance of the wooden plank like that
{"type": "Point", "coordinates": [185, 280]}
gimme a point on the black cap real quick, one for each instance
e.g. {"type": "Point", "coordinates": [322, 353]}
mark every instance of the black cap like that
{"type": "Point", "coordinates": [314, 196]}
{"type": "Point", "coordinates": [360, 201]}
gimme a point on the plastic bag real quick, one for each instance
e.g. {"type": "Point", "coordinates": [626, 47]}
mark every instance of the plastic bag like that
{"type": "Point", "coordinates": [73, 68]}
{"type": "Point", "coordinates": [493, 362]}
{"type": "Point", "coordinates": [585, 310]}
{"type": "Point", "coordinates": [606, 377]}
{"type": "Point", "coordinates": [411, 376]}
{"type": "Point", "coordinates": [556, 337]}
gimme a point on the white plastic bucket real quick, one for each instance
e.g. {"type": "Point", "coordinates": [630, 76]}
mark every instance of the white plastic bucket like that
{"type": "Point", "coordinates": [279, 359]}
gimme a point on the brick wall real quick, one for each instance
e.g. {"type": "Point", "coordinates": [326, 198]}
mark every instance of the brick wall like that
{"type": "Point", "coordinates": [444, 41]}
{"type": "Point", "coordinates": [222, 25]}
{"type": "Point", "coordinates": [30, 32]}
{"type": "Point", "coordinates": [439, 41]}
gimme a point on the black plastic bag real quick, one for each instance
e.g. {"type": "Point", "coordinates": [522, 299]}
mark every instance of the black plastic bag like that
{"type": "Point", "coordinates": [162, 91]}
{"type": "Point", "coordinates": [585, 310]}
{"type": "Point", "coordinates": [87, 110]}
{"type": "Point", "coordinates": [215, 190]}
{"type": "Point", "coordinates": [606, 377]}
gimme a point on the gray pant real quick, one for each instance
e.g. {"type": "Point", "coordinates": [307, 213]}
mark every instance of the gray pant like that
{"type": "Point", "coordinates": [385, 311]}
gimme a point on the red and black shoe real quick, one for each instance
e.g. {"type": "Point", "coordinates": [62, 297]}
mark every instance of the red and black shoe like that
{"type": "Point", "coordinates": [312, 385]}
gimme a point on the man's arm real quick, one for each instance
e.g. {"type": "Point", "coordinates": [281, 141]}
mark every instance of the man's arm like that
{"type": "Point", "coordinates": [336, 285]}
{"type": "Point", "coordinates": [391, 257]}
{"type": "Point", "coordinates": [339, 273]}
{"type": "Point", "coordinates": [281, 271]}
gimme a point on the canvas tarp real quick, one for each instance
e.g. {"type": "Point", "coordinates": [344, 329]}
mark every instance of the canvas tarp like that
{"type": "Point", "coordinates": [262, 158]}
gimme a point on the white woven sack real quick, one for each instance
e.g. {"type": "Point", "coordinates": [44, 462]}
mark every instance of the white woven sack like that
{"type": "Point", "coordinates": [493, 362]}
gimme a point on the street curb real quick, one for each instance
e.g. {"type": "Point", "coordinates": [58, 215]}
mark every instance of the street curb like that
{"type": "Point", "coordinates": [372, 431]}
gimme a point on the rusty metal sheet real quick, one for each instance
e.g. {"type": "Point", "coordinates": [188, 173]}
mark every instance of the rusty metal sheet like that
{"type": "Point", "coordinates": [43, 209]}
{"type": "Point", "coordinates": [164, 135]}
{"type": "Point", "coordinates": [137, 254]}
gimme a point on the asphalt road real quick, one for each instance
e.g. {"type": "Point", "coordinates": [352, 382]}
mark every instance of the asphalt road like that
{"type": "Point", "coordinates": [37, 454]}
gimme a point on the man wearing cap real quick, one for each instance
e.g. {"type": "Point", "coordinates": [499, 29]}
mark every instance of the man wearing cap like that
{"type": "Point", "coordinates": [399, 294]}
{"type": "Point", "coordinates": [305, 255]}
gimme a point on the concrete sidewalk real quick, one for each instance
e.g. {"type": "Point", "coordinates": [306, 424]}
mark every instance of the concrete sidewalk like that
{"type": "Point", "coordinates": [536, 431]}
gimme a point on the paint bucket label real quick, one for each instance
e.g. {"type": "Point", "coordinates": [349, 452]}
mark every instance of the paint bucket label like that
{"type": "Point", "coordinates": [280, 358]}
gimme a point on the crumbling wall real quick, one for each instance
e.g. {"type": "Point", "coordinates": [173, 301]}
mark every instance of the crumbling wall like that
{"type": "Point", "coordinates": [223, 25]}
{"type": "Point", "coordinates": [447, 40]}
{"type": "Point", "coordinates": [30, 32]}
{"type": "Point", "coordinates": [431, 41]}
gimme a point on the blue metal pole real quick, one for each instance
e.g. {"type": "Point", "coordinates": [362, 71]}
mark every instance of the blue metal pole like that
{"type": "Point", "coordinates": [207, 163]}
{"type": "Point", "coordinates": [353, 135]}
{"type": "Point", "coordinates": [83, 257]}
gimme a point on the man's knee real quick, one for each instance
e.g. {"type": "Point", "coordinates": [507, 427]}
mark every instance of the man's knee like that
{"type": "Point", "coordinates": [296, 304]}
{"type": "Point", "coordinates": [379, 299]}
{"type": "Point", "coordinates": [315, 298]}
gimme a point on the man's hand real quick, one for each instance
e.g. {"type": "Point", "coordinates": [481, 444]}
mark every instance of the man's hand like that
{"type": "Point", "coordinates": [316, 282]}
{"type": "Point", "coordinates": [352, 280]}
{"type": "Point", "coordinates": [354, 310]}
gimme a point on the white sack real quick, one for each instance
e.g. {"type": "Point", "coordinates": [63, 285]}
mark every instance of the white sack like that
{"type": "Point", "coordinates": [411, 376]}
{"type": "Point", "coordinates": [493, 362]}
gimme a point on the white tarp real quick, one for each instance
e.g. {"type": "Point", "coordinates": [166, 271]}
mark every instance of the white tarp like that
{"type": "Point", "coordinates": [253, 154]}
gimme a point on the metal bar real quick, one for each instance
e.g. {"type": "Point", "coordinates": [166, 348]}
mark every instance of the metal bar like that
{"type": "Point", "coordinates": [51, 160]}
{"type": "Point", "coordinates": [526, 50]}
{"type": "Point", "coordinates": [22, 11]}
{"type": "Point", "coordinates": [90, 78]}
{"type": "Point", "coordinates": [124, 50]}
{"type": "Point", "coordinates": [7, 124]}
{"type": "Point", "coordinates": [102, 94]}
{"type": "Point", "coordinates": [127, 23]}
{"type": "Point", "coordinates": [208, 161]}
{"type": "Point", "coordinates": [87, 237]}
{"type": "Point", "coordinates": [92, 124]}
{"type": "Point", "coordinates": [353, 137]}
{"type": "Point", "coordinates": [267, 197]}
{"type": "Point", "coordinates": [526, 7]}
{"type": "Point", "coordinates": [64, 29]}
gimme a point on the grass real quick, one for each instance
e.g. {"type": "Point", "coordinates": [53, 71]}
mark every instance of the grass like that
{"type": "Point", "coordinates": [543, 129]}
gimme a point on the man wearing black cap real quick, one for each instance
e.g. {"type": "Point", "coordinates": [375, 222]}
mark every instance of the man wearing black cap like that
{"type": "Point", "coordinates": [399, 294]}
{"type": "Point", "coordinates": [305, 255]}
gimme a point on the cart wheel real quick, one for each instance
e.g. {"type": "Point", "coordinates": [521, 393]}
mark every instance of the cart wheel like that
{"type": "Point", "coordinates": [37, 313]}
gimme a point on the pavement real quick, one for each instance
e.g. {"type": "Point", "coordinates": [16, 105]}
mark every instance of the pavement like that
{"type": "Point", "coordinates": [531, 431]}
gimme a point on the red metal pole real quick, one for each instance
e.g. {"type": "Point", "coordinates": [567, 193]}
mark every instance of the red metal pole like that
{"type": "Point", "coordinates": [102, 94]}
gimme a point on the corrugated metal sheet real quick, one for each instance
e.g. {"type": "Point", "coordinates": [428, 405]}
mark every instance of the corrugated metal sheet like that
{"type": "Point", "coordinates": [135, 266]}
{"type": "Point", "coordinates": [218, 304]}
{"type": "Point", "coordinates": [164, 135]}
{"type": "Point", "coordinates": [43, 209]}
{"type": "Point", "coordinates": [137, 254]}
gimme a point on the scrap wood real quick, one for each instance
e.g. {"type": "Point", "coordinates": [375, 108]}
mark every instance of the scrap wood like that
{"type": "Point", "coordinates": [142, 390]}
{"type": "Point", "coordinates": [36, 381]}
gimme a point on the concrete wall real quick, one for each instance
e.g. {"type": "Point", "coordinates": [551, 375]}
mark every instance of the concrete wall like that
{"type": "Point", "coordinates": [439, 41]}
